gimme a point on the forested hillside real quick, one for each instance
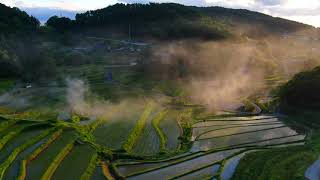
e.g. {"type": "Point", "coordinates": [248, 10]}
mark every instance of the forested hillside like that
{"type": "Point", "coordinates": [162, 21]}
{"type": "Point", "coordinates": [18, 39]}
{"type": "Point", "coordinates": [252, 21]}
{"type": "Point", "coordinates": [13, 20]}
{"type": "Point", "coordinates": [175, 21]}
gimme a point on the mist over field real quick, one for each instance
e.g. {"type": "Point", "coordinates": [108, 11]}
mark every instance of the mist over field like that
{"type": "Point", "coordinates": [159, 91]}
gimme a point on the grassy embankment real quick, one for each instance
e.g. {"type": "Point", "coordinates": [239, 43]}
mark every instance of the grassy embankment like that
{"type": "Point", "coordinates": [161, 135]}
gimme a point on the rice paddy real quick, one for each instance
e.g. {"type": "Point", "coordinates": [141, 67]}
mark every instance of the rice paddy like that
{"type": "Point", "coordinates": [148, 139]}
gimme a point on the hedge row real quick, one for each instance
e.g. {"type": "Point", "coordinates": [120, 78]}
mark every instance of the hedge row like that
{"type": "Point", "coordinates": [162, 136]}
{"type": "Point", "coordinates": [40, 149]}
{"type": "Point", "coordinates": [91, 167]}
{"type": "Point", "coordinates": [57, 160]}
{"type": "Point", "coordinates": [138, 129]}
{"type": "Point", "coordinates": [15, 153]}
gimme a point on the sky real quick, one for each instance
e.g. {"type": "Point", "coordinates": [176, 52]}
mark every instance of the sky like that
{"type": "Point", "coordinates": [306, 11]}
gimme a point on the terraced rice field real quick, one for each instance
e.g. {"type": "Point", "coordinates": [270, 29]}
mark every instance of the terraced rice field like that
{"type": "Point", "coordinates": [217, 133]}
{"type": "Point", "coordinates": [38, 167]}
{"type": "Point", "coordinates": [139, 144]}
{"type": "Point", "coordinates": [114, 132]}
{"type": "Point", "coordinates": [148, 143]}
{"type": "Point", "coordinates": [76, 162]}
{"type": "Point", "coordinates": [218, 146]}
{"type": "Point", "coordinates": [171, 130]}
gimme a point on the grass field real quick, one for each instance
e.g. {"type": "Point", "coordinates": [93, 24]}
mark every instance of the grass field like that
{"type": "Point", "coordinates": [283, 163]}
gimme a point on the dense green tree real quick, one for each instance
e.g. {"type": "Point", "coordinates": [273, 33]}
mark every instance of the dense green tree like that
{"type": "Point", "coordinates": [13, 20]}
{"type": "Point", "coordinates": [60, 23]}
{"type": "Point", "coordinates": [303, 91]}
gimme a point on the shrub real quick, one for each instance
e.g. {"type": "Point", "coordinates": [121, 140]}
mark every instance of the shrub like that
{"type": "Point", "coordinates": [302, 91]}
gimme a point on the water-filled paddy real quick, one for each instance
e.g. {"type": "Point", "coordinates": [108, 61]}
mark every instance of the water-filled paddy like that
{"type": "Point", "coordinates": [18, 141]}
{"type": "Point", "coordinates": [241, 131]}
{"type": "Point", "coordinates": [38, 166]}
{"type": "Point", "coordinates": [231, 165]}
{"type": "Point", "coordinates": [227, 122]}
{"type": "Point", "coordinates": [76, 163]}
{"type": "Point", "coordinates": [241, 139]}
{"type": "Point", "coordinates": [148, 143]}
{"type": "Point", "coordinates": [171, 129]}
{"type": "Point", "coordinates": [237, 130]}
{"type": "Point", "coordinates": [115, 131]}
{"type": "Point", "coordinates": [13, 171]}
{"type": "Point", "coordinates": [138, 167]}
{"type": "Point", "coordinates": [203, 173]}
{"type": "Point", "coordinates": [186, 166]}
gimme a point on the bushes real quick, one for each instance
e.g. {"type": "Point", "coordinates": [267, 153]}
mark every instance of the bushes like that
{"type": "Point", "coordinates": [57, 160]}
{"type": "Point", "coordinates": [302, 91]}
{"type": "Point", "coordinates": [136, 132]}
{"type": "Point", "coordinates": [162, 136]}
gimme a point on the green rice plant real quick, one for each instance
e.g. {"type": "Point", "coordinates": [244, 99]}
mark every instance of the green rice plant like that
{"type": "Point", "coordinates": [57, 160]}
{"type": "Point", "coordinates": [91, 167]}
{"type": "Point", "coordinates": [136, 132]}
{"type": "Point", "coordinates": [162, 136]}
{"type": "Point", "coordinates": [23, 166]}
{"type": "Point", "coordinates": [185, 122]}
{"type": "Point", "coordinates": [4, 140]}
{"type": "Point", "coordinates": [75, 119]}
{"type": "Point", "coordinates": [15, 153]}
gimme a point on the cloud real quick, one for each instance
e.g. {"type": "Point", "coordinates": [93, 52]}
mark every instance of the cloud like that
{"type": "Point", "coordinates": [43, 14]}
{"type": "Point", "coordinates": [271, 2]}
